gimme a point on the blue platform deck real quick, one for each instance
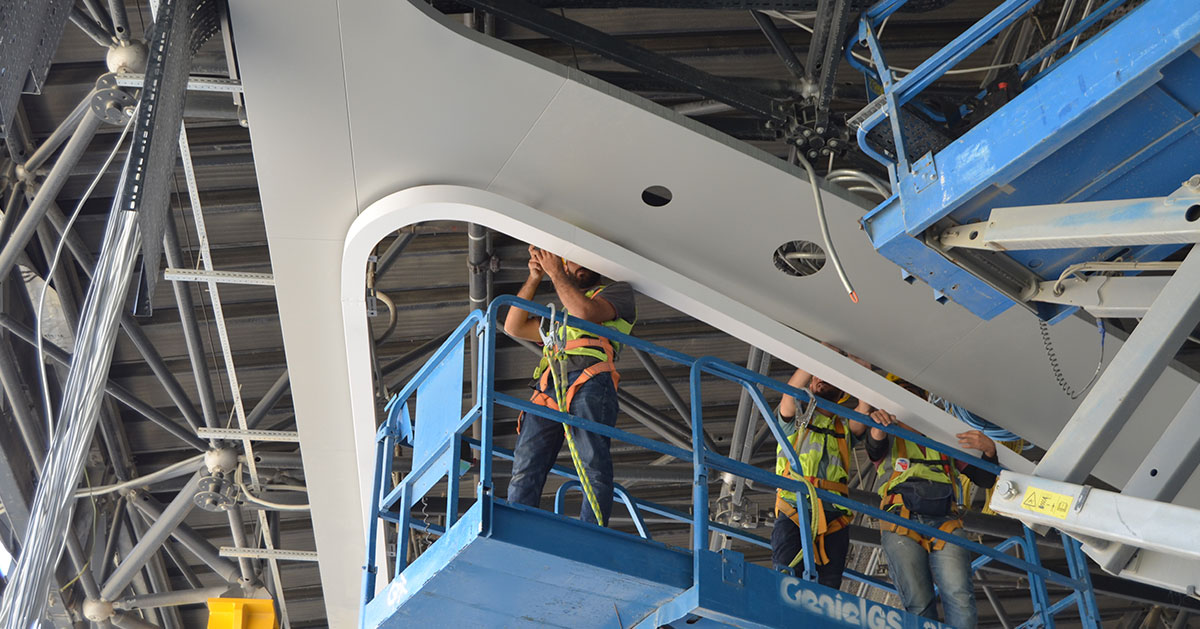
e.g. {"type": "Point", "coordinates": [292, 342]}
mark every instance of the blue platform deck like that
{"type": "Point", "coordinates": [532, 568]}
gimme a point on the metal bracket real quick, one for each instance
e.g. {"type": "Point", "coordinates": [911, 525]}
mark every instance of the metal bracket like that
{"type": "Point", "coordinates": [924, 172]}
{"type": "Point", "coordinates": [733, 567]}
{"type": "Point", "coordinates": [263, 553]}
{"type": "Point", "coordinates": [223, 277]}
{"type": "Point", "coordinates": [285, 436]}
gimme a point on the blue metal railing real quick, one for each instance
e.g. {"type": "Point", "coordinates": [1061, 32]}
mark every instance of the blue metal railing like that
{"type": "Point", "coordinates": [899, 92]}
{"type": "Point", "coordinates": [392, 502]}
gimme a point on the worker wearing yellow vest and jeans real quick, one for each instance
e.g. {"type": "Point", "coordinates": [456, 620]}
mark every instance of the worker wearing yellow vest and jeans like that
{"type": "Point", "coordinates": [921, 484]}
{"type": "Point", "coordinates": [589, 389]}
{"type": "Point", "coordinates": [823, 448]}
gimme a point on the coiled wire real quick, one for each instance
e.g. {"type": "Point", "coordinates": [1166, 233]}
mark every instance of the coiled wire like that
{"type": "Point", "coordinates": [1059, 376]}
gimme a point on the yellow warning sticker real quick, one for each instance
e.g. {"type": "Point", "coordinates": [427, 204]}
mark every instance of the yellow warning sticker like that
{"type": "Point", "coordinates": [1046, 502]}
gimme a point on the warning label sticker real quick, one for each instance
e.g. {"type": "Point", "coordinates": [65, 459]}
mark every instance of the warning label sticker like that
{"type": "Point", "coordinates": [1046, 502]}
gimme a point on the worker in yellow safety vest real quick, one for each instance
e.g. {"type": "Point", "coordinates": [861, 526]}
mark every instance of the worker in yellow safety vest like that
{"type": "Point", "coordinates": [922, 484]}
{"type": "Point", "coordinates": [822, 446]}
{"type": "Point", "coordinates": [577, 374]}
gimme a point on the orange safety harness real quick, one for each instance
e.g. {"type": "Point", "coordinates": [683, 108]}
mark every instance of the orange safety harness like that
{"type": "Point", "coordinates": [824, 526]}
{"type": "Point", "coordinates": [889, 501]}
{"type": "Point", "coordinates": [541, 398]}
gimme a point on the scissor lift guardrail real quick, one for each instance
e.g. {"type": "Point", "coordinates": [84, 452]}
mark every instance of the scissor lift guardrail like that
{"type": "Point", "coordinates": [1114, 119]}
{"type": "Point", "coordinates": [509, 564]}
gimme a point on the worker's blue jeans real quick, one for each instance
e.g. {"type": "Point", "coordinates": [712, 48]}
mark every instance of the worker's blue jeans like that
{"type": "Point", "coordinates": [541, 439]}
{"type": "Point", "coordinates": [914, 572]}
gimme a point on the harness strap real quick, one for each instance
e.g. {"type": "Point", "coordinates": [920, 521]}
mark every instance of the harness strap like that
{"type": "Point", "coordinates": [820, 557]}
{"type": "Point", "coordinates": [930, 544]}
{"type": "Point", "coordinates": [541, 398]}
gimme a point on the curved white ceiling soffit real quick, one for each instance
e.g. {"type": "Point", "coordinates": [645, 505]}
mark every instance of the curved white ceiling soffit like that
{"type": "Point", "coordinates": [459, 203]}
{"type": "Point", "coordinates": [350, 102]}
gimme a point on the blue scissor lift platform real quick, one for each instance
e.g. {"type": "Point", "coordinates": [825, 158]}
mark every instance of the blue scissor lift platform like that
{"type": "Point", "coordinates": [503, 565]}
{"type": "Point", "coordinates": [1115, 119]}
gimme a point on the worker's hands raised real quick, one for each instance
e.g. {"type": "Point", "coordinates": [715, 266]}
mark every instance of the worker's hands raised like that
{"type": "Point", "coordinates": [535, 269]}
{"type": "Point", "coordinates": [882, 417]}
{"type": "Point", "coordinates": [549, 263]}
{"type": "Point", "coordinates": [975, 440]}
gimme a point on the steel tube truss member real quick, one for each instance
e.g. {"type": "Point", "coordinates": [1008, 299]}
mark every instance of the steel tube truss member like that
{"type": "Point", "coordinates": [657, 66]}
{"type": "Point", "coordinates": [152, 540]}
{"type": "Point", "coordinates": [30, 580]}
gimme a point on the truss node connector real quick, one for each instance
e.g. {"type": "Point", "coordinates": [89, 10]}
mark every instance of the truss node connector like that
{"type": "Point", "coordinates": [127, 57]}
{"type": "Point", "coordinates": [97, 610]}
{"type": "Point", "coordinates": [217, 492]}
{"type": "Point", "coordinates": [110, 102]}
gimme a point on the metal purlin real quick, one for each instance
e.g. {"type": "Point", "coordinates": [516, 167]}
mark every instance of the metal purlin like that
{"type": "Point", "coordinates": [227, 353]}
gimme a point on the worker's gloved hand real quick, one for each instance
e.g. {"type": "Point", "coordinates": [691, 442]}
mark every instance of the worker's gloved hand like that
{"type": "Point", "coordinates": [976, 440]}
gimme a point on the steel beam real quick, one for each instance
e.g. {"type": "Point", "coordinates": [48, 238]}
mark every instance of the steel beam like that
{"type": "Point", "coordinates": [626, 54]}
{"type": "Point", "coordinates": [182, 565]}
{"type": "Point", "coordinates": [392, 253]}
{"type": "Point", "coordinates": [189, 538]}
{"type": "Point", "coordinates": [149, 543]}
{"type": "Point", "coordinates": [1125, 222]}
{"type": "Point", "coordinates": [120, 19]}
{"type": "Point", "coordinates": [48, 191]}
{"type": "Point", "coordinates": [1161, 475]}
{"type": "Point", "coordinates": [1124, 384]}
{"type": "Point", "coordinates": [156, 578]}
{"type": "Point", "coordinates": [193, 596]}
{"type": "Point", "coordinates": [825, 51]}
{"type": "Point", "coordinates": [238, 528]}
{"type": "Point", "coordinates": [191, 329]}
{"type": "Point", "coordinates": [118, 392]}
{"type": "Point", "coordinates": [90, 27]}
{"type": "Point", "coordinates": [779, 44]}
{"type": "Point", "coordinates": [1079, 510]}
{"type": "Point", "coordinates": [268, 401]}
{"type": "Point", "coordinates": [133, 330]}
{"type": "Point", "coordinates": [660, 379]}
{"type": "Point", "coordinates": [58, 136]}
{"type": "Point", "coordinates": [129, 621]}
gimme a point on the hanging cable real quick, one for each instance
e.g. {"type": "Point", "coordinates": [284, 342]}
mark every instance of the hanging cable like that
{"type": "Point", "coordinates": [974, 421]}
{"type": "Point", "coordinates": [266, 504]}
{"type": "Point", "coordinates": [62, 241]}
{"type": "Point", "coordinates": [829, 250]}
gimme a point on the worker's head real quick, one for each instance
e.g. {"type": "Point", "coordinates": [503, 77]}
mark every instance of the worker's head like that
{"type": "Point", "coordinates": [823, 389]}
{"type": "Point", "coordinates": [583, 277]}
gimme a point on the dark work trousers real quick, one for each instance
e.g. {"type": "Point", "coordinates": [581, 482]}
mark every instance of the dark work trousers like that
{"type": "Point", "coordinates": [785, 543]}
{"type": "Point", "coordinates": [541, 439]}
